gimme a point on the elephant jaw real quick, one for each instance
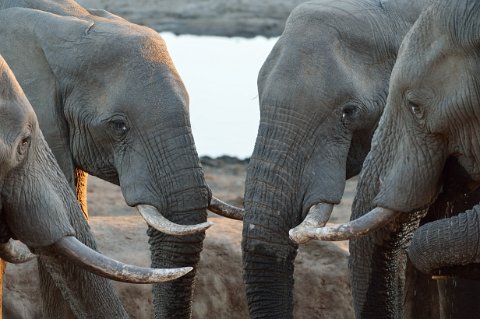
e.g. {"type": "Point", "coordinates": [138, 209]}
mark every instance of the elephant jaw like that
{"type": "Point", "coordinates": [371, 221]}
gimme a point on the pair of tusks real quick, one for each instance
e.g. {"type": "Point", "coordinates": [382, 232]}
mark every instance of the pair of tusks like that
{"type": "Point", "coordinates": [92, 261]}
{"type": "Point", "coordinates": [318, 215]}
{"type": "Point", "coordinates": [155, 219]}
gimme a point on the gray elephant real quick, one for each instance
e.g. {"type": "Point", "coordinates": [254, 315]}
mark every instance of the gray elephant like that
{"type": "Point", "coordinates": [39, 208]}
{"type": "Point", "coordinates": [426, 138]}
{"type": "Point", "coordinates": [111, 103]}
{"type": "Point", "coordinates": [322, 90]}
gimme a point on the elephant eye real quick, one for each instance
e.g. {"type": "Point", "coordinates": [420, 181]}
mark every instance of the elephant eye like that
{"type": "Point", "coordinates": [348, 111]}
{"type": "Point", "coordinates": [23, 145]}
{"type": "Point", "coordinates": [416, 110]}
{"type": "Point", "coordinates": [119, 126]}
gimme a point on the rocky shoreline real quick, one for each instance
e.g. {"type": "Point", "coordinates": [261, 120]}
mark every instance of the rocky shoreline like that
{"type": "Point", "coordinates": [242, 18]}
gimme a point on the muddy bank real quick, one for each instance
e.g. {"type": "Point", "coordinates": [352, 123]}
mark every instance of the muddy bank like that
{"type": "Point", "coordinates": [244, 18]}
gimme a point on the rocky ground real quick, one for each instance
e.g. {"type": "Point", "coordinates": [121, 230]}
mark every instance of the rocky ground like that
{"type": "Point", "coordinates": [322, 288]}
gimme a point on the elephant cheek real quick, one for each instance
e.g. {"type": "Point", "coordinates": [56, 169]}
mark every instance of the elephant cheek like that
{"type": "Point", "coordinates": [37, 221]}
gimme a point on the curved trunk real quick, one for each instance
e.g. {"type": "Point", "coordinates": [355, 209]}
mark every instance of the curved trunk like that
{"type": "Point", "coordinates": [458, 297]}
{"type": "Point", "coordinates": [447, 242]}
{"type": "Point", "coordinates": [270, 207]}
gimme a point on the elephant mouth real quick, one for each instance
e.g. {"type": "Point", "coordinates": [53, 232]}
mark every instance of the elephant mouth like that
{"type": "Point", "coordinates": [83, 256]}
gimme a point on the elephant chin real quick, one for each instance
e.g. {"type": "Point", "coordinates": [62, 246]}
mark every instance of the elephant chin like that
{"type": "Point", "coordinates": [72, 249]}
{"type": "Point", "coordinates": [371, 221]}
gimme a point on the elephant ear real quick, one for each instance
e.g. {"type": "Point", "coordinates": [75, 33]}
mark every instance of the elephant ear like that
{"type": "Point", "coordinates": [33, 43]}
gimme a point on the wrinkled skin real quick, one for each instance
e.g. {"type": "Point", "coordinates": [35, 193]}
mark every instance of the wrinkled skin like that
{"type": "Point", "coordinates": [322, 90]}
{"type": "Point", "coordinates": [427, 136]}
{"type": "Point", "coordinates": [39, 208]}
{"type": "Point", "coordinates": [110, 103]}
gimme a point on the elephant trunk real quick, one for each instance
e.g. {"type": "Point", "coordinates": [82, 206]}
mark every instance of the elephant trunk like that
{"type": "Point", "coordinates": [186, 206]}
{"type": "Point", "coordinates": [447, 242]}
{"type": "Point", "coordinates": [268, 262]}
{"type": "Point", "coordinates": [268, 253]}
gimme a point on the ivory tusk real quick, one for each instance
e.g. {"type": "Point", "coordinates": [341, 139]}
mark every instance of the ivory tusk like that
{"type": "Point", "coordinates": [153, 217]}
{"type": "Point", "coordinates": [15, 252]}
{"type": "Point", "coordinates": [317, 216]}
{"type": "Point", "coordinates": [92, 261]}
{"type": "Point", "coordinates": [226, 210]}
{"type": "Point", "coordinates": [373, 220]}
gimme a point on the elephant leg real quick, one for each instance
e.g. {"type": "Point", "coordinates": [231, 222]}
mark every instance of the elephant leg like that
{"type": "Point", "coordinates": [421, 295]}
{"type": "Point", "coordinates": [459, 298]}
{"type": "Point", "coordinates": [81, 179]}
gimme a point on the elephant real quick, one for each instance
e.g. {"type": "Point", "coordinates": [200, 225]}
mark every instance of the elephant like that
{"type": "Point", "coordinates": [426, 139]}
{"type": "Point", "coordinates": [39, 208]}
{"type": "Point", "coordinates": [110, 103]}
{"type": "Point", "coordinates": [322, 90]}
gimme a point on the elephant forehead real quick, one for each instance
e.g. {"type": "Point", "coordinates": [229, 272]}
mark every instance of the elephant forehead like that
{"type": "Point", "coordinates": [123, 41]}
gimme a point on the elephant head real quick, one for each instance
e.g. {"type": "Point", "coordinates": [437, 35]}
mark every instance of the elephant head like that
{"type": "Point", "coordinates": [111, 103]}
{"type": "Point", "coordinates": [38, 207]}
{"type": "Point", "coordinates": [437, 106]}
{"type": "Point", "coordinates": [322, 90]}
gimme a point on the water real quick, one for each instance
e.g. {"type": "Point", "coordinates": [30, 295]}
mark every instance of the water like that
{"type": "Point", "coordinates": [221, 78]}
